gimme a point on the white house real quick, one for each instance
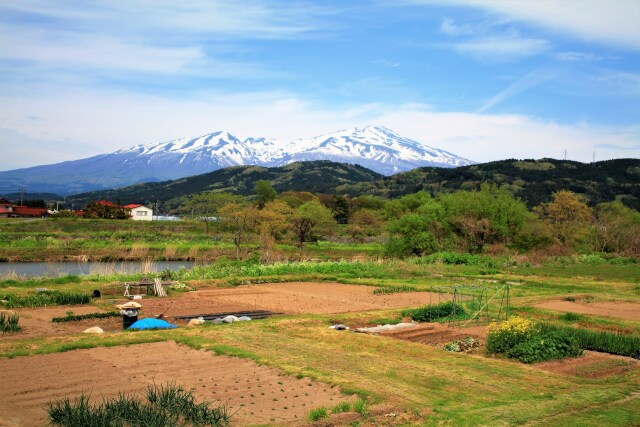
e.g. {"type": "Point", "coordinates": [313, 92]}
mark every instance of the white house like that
{"type": "Point", "coordinates": [139, 212]}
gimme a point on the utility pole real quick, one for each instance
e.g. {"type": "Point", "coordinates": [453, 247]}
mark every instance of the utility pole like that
{"type": "Point", "coordinates": [594, 157]}
{"type": "Point", "coordinates": [23, 192]}
{"type": "Point", "coordinates": [565, 154]}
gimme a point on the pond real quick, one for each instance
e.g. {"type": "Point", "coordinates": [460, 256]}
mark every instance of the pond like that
{"type": "Point", "coordinates": [54, 269]}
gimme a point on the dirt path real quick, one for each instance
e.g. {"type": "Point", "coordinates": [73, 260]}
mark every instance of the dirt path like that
{"type": "Point", "coordinates": [621, 310]}
{"type": "Point", "coordinates": [259, 394]}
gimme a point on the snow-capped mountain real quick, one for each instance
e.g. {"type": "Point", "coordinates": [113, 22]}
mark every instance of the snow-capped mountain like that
{"type": "Point", "coordinates": [376, 148]}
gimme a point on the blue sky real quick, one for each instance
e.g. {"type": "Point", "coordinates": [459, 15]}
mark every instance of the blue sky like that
{"type": "Point", "coordinates": [484, 79]}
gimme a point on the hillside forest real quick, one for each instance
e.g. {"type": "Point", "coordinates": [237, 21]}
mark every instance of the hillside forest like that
{"type": "Point", "coordinates": [487, 220]}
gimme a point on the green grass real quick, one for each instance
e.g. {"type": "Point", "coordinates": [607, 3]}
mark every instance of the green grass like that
{"type": "Point", "coordinates": [317, 414]}
{"type": "Point", "coordinates": [341, 407]}
{"type": "Point", "coordinates": [607, 342]}
{"type": "Point", "coordinates": [166, 405]}
{"type": "Point", "coordinates": [46, 298]}
{"type": "Point", "coordinates": [9, 322]}
{"type": "Point", "coordinates": [77, 317]}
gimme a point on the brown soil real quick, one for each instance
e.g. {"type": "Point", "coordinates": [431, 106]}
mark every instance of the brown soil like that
{"type": "Point", "coordinates": [620, 310]}
{"type": "Point", "coordinates": [291, 298]}
{"type": "Point", "coordinates": [438, 334]}
{"type": "Point", "coordinates": [37, 321]}
{"type": "Point", "coordinates": [256, 394]}
{"type": "Point", "coordinates": [591, 364]}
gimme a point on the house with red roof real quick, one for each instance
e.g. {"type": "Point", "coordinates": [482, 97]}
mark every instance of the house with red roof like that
{"type": "Point", "coordinates": [10, 210]}
{"type": "Point", "coordinates": [139, 212]}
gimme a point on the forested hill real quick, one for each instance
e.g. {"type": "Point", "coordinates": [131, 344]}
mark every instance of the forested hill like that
{"type": "Point", "coordinates": [321, 176]}
{"type": "Point", "coordinates": [534, 181]}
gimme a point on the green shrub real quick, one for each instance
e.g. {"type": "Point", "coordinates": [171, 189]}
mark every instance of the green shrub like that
{"type": "Point", "coordinates": [47, 298]}
{"type": "Point", "coordinates": [547, 346]}
{"type": "Point", "coordinates": [571, 317]}
{"type": "Point", "coordinates": [74, 318]}
{"type": "Point", "coordinates": [504, 336]}
{"type": "Point", "coordinates": [317, 413]}
{"type": "Point", "coordinates": [606, 342]}
{"type": "Point", "coordinates": [9, 322]}
{"type": "Point", "coordinates": [434, 312]}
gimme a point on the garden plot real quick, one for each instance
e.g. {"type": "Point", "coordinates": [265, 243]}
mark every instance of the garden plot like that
{"type": "Point", "coordinates": [620, 310]}
{"type": "Point", "coordinates": [255, 394]}
{"type": "Point", "coordinates": [37, 322]}
{"type": "Point", "coordinates": [438, 334]}
{"type": "Point", "coordinates": [298, 298]}
{"type": "Point", "coordinates": [591, 364]}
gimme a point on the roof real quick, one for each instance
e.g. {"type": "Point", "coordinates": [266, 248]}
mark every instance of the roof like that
{"type": "Point", "coordinates": [24, 210]}
{"type": "Point", "coordinates": [106, 203]}
{"type": "Point", "coordinates": [132, 206]}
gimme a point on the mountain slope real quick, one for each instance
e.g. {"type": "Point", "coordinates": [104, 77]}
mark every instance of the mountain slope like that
{"type": "Point", "coordinates": [317, 177]}
{"type": "Point", "coordinates": [534, 181]}
{"type": "Point", "coordinates": [376, 148]}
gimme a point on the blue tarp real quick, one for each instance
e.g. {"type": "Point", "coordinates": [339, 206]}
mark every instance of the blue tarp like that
{"type": "Point", "coordinates": [151, 323]}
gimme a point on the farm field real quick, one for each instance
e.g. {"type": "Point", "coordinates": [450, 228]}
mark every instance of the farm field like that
{"type": "Point", "coordinates": [405, 377]}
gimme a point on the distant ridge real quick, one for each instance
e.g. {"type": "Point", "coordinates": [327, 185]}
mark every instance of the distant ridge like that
{"type": "Point", "coordinates": [533, 181]}
{"type": "Point", "coordinates": [376, 148]}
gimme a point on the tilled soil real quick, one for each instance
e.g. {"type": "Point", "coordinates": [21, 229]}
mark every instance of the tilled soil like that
{"type": "Point", "coordinates": [591, 364]}
{"type": "Point", "coordinates": [620, 310]}
{"type": "Point", "coordinates": [299, 297]}
{"type": "Point", "coordinates": [254, 394]}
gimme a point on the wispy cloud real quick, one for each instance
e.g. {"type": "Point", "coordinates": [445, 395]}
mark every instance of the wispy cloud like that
{"type": "Point", "coordinates": [386, 63]}
{"type": "Point", "coordinates": [501, 48]}
{"type": "Point", "coordinates": [490, 41]}
{"type": "Point", "coordinates": [579, 56]}
{"type": "Point", "coordinates": [607, 22]}
{"type": "Point", "coordinates": [524, 83]}
{"type": "Point", "coordinates": [619, 147]}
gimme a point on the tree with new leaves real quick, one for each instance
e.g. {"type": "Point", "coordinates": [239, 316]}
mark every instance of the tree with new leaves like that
{"type": "Point", "coordinates": [272, 222]}
{"type": "Point", "coordinates": [264, 193]}
{"type": "Point", "coordinates": [311, 221]}
{"type": "Point", "coordinates": [240, 219]}
{"type": "Point", "coordinates": [616, 229]}
{"type": "Point", "coordinates": [567, 215]}
{"type": "Point", "coordinates": [205, 206]}
{"type": "Point", "coordinates": [365, 223]}
{"type": "Point", "coordinates": [420, 231]}
{"type": "Point", "coordinates": [483, 217]}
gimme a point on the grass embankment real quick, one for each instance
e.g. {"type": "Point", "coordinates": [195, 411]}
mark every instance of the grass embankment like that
{"type": "Point", "coordinates": [121, 240]}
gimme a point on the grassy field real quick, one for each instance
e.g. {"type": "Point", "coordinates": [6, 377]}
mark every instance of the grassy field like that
{"type": "Point", "coordinates": [438, 387]}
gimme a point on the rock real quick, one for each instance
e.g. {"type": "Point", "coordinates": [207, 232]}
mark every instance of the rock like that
{"type": "Point", "coordinates": [94, 330]}
{"type": "Point", "coordinates": [229, 319]}
{"type": "Point", "coordinates": [194, 322]}
{"type": "Point", "coordinates": [217, 320]}
{"type": "Point", "coordinates": [244, 318]}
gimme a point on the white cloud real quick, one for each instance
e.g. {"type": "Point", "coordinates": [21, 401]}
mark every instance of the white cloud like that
{"type": "Point", "coordinates": [579, 56]}
{"type": "Point", "coordinates": [501, 47]}
{"type": "Point", "coordinates": [603, 21]}
{"type": "Point", "coordinates": [112, 121]}
{"type": "Point", "coordinates": [524, 83]}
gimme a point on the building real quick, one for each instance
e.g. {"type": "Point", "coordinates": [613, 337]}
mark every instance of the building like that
{"type": "Point", "coordinates": [139, 212]}
{"type": "Point", "coordinates": [10, 210]}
